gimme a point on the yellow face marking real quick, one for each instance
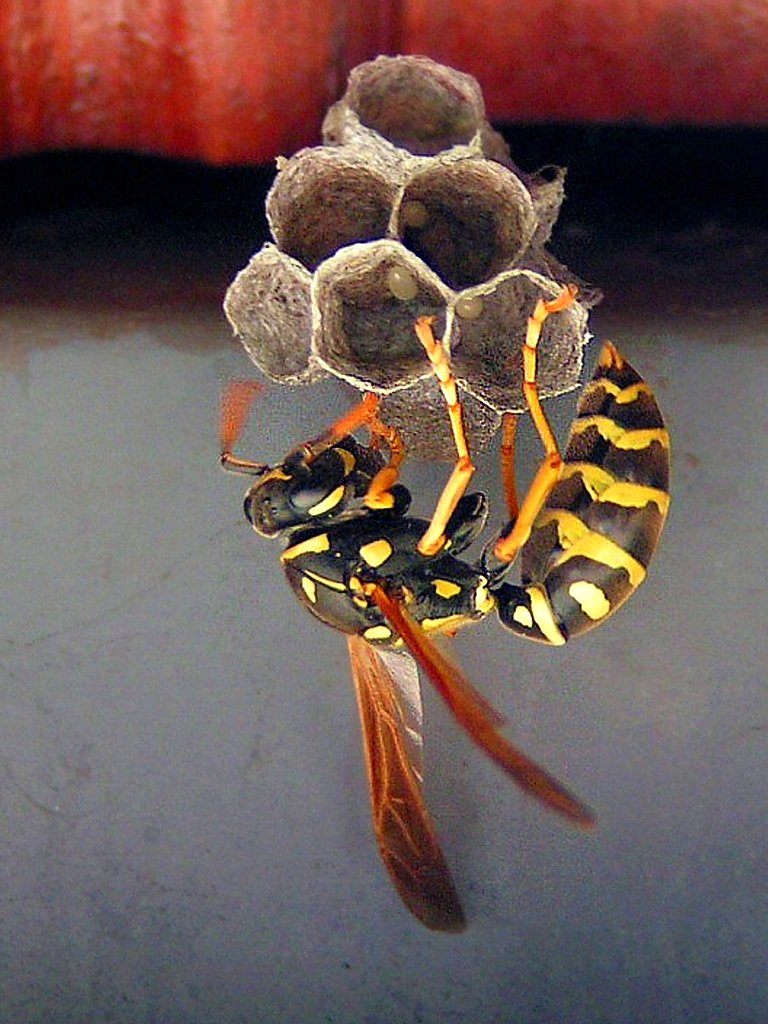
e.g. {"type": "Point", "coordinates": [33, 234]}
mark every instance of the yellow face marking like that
{"type": "Point", "coordinates": [632, 495]}
{"type": "Point", "coordinates": [590, 598]}
{"type": "Point", "coordinates": [329, 501]}
{"type": "Point", "coordinates": [523, 615]}
{"type": "Point", "coordinates": [594, 478]}
{"type": "Point", "coordinates": [275, 474]}
{"type": "Point", "coordinates": [601, 549]}
{"type": "Point", "coordinates": [446, 588]}
{"type": "Point", "coordinates": [310, 589]}
{"type": "Point", "coordinates": [376, 552]}
{"type": "Point", "coordinates": [377, 633]}
{"type": "Point", "coordinates": [348, 459]}
{"type": "Point", "coordinates": [485, 602]}
{"type": "Point", "coordinates": [311, 546]}
{"type": "Point", "coordinates": [355, 585]}
{"type": "Point", "coordinates": [543, 615]}
{"type": "Point", "coordinates": [325, 582]}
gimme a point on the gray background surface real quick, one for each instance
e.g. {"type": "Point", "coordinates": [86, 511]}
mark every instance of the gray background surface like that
{"type": "Point", "coordinates": [186, 834]}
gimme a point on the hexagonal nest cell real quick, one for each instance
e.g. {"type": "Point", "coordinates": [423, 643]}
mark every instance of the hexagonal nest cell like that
{"type": "Point", "coordinates": [416, 104]}
{"type": "Point", "coordinates": [477, 219]}
{"type": "Point", "coordinates": [412, 207]}
{"type": "Point", "coordinates": [365, 333]}
{"type": "Point", "coordinates": [324, 199]}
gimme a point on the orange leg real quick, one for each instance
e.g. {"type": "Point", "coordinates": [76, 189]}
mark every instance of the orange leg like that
{"type": "Point", "coordinates": [434, 536]}
{"type": "Point", "coordinates": [508, 432]}
{"type": "Point", "coordinates": [361, 415]}
{"type": "Point", "coordinates": [378, 495]}
{"type": "Point", "coordinates": [550, 468]}
{"type": "Point", "coordinates": [365, 414]}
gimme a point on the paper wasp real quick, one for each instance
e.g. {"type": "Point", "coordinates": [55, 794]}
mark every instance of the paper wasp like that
{"type": "Point", "coordinates": [355, 559]}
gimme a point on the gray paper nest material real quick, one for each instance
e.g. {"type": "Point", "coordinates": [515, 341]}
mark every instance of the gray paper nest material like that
{"type": "Point", "coordinates": [412, 207]}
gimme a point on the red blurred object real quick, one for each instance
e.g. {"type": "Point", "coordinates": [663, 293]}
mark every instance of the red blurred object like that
{"type": "Point", "coordinates": [653, 61]}
{"type": "Point", "coordinates": [239, 81]}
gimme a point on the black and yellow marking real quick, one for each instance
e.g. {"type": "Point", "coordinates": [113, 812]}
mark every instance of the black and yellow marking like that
{"type": "Point", "coordinates": [445, 623]}
{"type": "Point", "coordinates": [528, 612]}
{"type": "Point", "coordinates": [380, 633]}
{"type": "Point", "coordinates": [376, 552]}
{"type": "Point", "coordinates": [328, 503]}
{"type": "Point", "coordinates": [315, 544]}
{"type": "Point", "coordinates": [590, 546]}
{"type": "Point", "coordinates": [329, 568]}
{"type": "Point", "coordinates": [446, 588]}
{"type": "Point", "coordinates": [325, 581]}
{"type": "Point", "coordinates": [582, 554]}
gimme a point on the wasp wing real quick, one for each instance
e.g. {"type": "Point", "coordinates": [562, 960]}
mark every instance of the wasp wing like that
{"type": "Point", "coordinates": [406, 689]}
{"type": "Point", "coordinates": [473, 714]}
{"type": "Point", "coordinates": [389, 701]}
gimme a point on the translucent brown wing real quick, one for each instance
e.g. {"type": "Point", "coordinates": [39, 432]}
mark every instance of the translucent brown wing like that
{"type": "Point", "coordinates": [390, 715]}
{"type": "Point", "coordinates": [473, 714]}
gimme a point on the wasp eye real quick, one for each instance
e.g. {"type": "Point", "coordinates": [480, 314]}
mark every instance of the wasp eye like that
{"type": "Point", "coordinates": [309, 495]}
{"type": "Point", "coordinates": [326, 475]}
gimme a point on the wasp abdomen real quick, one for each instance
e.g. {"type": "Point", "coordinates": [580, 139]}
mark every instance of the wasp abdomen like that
{"type": "Point", "coordinates": [591, 544]}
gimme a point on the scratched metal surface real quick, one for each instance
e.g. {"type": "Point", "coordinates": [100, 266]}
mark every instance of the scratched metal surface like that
{"type": "Point", "coordinates": [184, 817]}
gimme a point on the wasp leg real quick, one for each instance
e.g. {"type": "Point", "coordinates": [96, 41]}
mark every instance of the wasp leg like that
{"type": "Point", "coordinates": [549, 470]}
{"type": "Point", "coordinates": [235, 408]}
{"type": "Point", "coordinates": [361, 415]}
{"type": "Point", "coordinates": [508, 434]}
{"type": "Point", "coordinates": [379, 493]}
{"type": "Point", "coordinates": [590, 546]}
{"type": "Point", "coordinates": [434, 535]}
{"type": "Point", "coordinates": [365, 414]}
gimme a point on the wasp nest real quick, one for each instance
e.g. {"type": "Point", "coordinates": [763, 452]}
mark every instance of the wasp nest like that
{"type": "Point", "coordinates": [411, 207]}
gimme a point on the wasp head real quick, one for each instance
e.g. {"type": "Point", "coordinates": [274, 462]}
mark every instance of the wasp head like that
{"type": "Point", "coordinates": [306, 488]}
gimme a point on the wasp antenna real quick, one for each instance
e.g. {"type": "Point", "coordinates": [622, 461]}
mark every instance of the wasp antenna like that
{"type": "Point", "coordinates": [236, 405]}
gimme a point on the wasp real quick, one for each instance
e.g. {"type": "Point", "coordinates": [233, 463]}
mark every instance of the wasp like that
{"type": "Point", "coordinates": [585, 531]}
